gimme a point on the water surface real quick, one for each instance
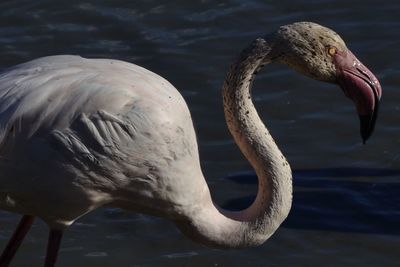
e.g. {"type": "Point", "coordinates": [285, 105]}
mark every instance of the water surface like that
{"type": "Point", "coordinates": [346, 203]}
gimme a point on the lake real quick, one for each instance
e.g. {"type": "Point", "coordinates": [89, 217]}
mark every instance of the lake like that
{"type": "Point", "coordinates": [346, 209]}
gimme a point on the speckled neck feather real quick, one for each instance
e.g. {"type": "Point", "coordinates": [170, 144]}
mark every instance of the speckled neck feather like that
{"type": "Point", "coordinates": [214, 226]}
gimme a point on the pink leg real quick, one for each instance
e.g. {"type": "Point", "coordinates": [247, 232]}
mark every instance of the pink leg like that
{"type": "Point", "coordinates": [52, 247]}
{"type": "Point", "coordinates": [16, 240]}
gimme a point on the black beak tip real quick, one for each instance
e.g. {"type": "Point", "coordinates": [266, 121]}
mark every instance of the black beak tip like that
{"type": "Point", "coordinates": [367, 124]}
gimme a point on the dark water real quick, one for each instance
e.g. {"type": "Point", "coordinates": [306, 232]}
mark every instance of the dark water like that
{"type": "Point", "coordinates": [346, 209]}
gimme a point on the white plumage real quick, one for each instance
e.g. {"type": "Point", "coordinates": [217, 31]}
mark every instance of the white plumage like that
{"type": "Point", "coordinates": [80, 133]}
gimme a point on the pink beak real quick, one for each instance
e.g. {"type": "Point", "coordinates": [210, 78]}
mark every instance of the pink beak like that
{"type": "Point", "coordinates": [361, 86]}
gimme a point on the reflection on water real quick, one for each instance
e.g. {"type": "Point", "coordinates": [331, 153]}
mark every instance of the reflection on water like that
{"type": "Point", "coordinates": [338, 204]}
{"type": "Point", "coordinates": [341, 216]}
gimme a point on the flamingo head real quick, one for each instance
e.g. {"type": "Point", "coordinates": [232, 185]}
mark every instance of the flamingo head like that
{"type": "Point", "coordinates": [321, 54]}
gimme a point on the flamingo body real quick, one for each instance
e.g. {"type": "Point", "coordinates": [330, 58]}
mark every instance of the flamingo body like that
{"type": "Point", "coordinates": [80, 133]}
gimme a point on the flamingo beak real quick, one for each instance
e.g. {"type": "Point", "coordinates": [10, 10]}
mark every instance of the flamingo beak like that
{"type": "Point", "coordinates": [361, 86]}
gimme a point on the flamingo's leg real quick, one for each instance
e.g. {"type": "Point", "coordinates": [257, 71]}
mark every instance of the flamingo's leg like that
{"type": "Point", "coordinates": [16, 240]}
{"type": "Point", "coordinates": [53, 246]}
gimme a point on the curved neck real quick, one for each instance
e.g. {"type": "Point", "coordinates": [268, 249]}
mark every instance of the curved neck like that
{"type": "Point", "coordinates": [214, 226]}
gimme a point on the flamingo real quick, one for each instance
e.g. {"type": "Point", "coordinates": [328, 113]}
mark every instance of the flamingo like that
{"type": "Point", "coordinates": [77, 134]}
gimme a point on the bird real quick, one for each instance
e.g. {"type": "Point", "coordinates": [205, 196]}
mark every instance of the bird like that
{"type": "Point", "coordinates": [78, 134]}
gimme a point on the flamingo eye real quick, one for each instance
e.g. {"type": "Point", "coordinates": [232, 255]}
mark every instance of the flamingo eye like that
{"type": "Point", "coordinates": [332, 50]}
